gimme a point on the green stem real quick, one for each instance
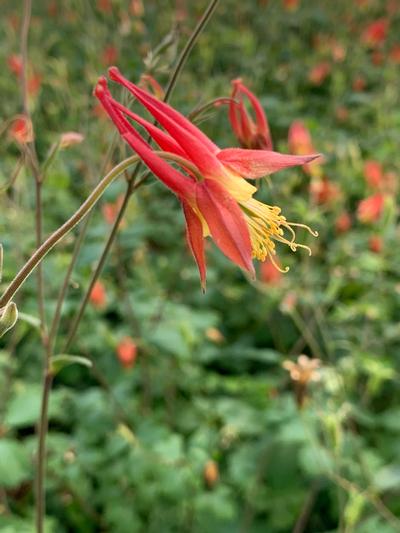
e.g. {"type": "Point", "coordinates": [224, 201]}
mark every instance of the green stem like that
{"type": "Point", "coordinates": [55, 237]}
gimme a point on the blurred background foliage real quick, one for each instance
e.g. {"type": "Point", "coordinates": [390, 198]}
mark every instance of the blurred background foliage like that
{"type": "Point", "coordinates": [198, 414]}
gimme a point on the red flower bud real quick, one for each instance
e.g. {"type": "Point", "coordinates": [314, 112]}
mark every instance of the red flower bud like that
{"type": "Point", "coordinates": [127, 352]}
{"type": "Point", "coordinates": [98, 296]}
{"type": "Point", "coordinates": [343, 222]}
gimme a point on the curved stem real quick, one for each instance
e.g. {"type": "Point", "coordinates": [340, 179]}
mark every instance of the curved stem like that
{"type": "Point", "coordinates": [55, 237]}
{"type": "Point", "coordinates": [189, 45]}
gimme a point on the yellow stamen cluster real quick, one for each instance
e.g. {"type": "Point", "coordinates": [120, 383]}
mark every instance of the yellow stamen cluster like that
{"type": "Point", "coordinates": [266, 225]}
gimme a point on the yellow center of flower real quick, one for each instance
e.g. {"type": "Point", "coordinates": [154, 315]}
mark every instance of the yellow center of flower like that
{"type": "Point", "coordinates": [266, 225]}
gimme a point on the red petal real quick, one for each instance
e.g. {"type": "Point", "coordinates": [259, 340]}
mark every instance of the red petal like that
{"type": "Point", "coordinates": [194, 235]}
{"type": "Point", "coordinates": [190, 141]}
{"type": "Point", "coordinates": [177, 182]}
{"type": "Point", "coordinates": [164, 141]}
{"type": "Point", "coordinates": [173, 179]}
{"type": "Point", "coordinates": [259, 163]}
{"type": "Point", "coordinates": [226, 222]}
{"type": "Point", "coordinates": [165, 108]}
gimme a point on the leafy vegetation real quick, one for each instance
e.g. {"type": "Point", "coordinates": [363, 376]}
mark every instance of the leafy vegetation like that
{"type": "Point", "coordinates": [191, 411]}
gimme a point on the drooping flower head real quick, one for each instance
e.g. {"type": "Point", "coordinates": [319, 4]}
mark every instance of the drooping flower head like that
{"type": "Point", "coordinates": [250, 133]}
{"type": "Point", "coordinates": [216, 198]}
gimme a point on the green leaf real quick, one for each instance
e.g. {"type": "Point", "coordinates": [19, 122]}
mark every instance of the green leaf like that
{"type": "Point", "coordinates": [58, 362]}
{"type": "Point", "coordinates": [14, 463]}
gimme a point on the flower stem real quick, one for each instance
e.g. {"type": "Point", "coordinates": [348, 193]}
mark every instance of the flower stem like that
{"type": "Point", "coordinates": [132, 186]}
{"type": "Point", "coordinates": [55, 237]}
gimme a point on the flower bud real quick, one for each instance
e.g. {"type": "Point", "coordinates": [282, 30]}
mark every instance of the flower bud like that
{"type": "Point", "coordinates": [8, 317]}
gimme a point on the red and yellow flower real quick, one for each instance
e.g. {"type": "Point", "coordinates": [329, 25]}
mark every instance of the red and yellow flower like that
{"type": "Point", "coordinates": [216, 198]}
{"type": "Point", "coordinates": [250, 133]}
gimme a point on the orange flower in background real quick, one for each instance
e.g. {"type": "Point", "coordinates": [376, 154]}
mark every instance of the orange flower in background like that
{"type": "Point", "coordinates": [370, 209]}
{"type": "Point", "coordinates": [105, 6]}
{"type": "Point", "coordinates": [375, 244]}
{"type": "Point", "coordinates": [376, 32]}
{"type": "Point", "coordinates": [148, 82]}
{"type": "Point", "coordinates": [343, 222]}
{"type": "Point", "coordinates": [394, 54]}
{"type": "Point", "coordinates": [342, 113]}
{"type": "Point", "coordinates": [324, 191]}
{"type": "Point", "coordinates": [291, 5]}
{"type": "Point", "coordinates": [136, 8]}
{"type": "Point", "coordinates": [211, 473]}
{"type": "Point", "coordinates": [14, 63]}
{"type": "Point", "coordinates": [98, 296]}
{"type": "Point", "coordinates": [109, 55]}
{"type": "Point", "coordinates": [373, 174]}
{"type": "Point", "coordinates": [300, 143]}
{"type": "Point", "coordinates": [21, 130]}
{"type": "Point", "coordinates": [319, 73]}
{"type": "Point", "coordinates": [359, 84]}
{"type": "Point", "coordinates": [127, 352]}
{"type": "Point", "coordinates": [34, 81]}
{"type": "Point", "coordinates": [269, 274]}
{"type": "Point", "coordinates": [251, 133]}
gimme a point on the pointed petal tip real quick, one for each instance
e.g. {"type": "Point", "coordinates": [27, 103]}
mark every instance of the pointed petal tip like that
{"type": "Point", "coordinates": [313, 157]}
{"type": "Point", "coordinates": [203, 286]}
{"type": "Point", "coordinates": [100, 87]}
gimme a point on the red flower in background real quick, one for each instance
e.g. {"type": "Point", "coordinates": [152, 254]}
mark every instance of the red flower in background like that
{"type": "Point", "coordinates": [359, 84]}
{"type": "Point", "coordinates": [373, 174]}
{"type": "Point", "coordinates": [14, 63]}
{"type": "Point", "coordinates": [324, 191]}
{"type": "Point", "coordinates": [21, 129]}
{"type": "Point", "coordinates": [376, 32]}
{"type": "Point", "coordinates": [375, 244]}
{"type": "Point", "coordinates": [291, 5]}
{"type": "Point", "coordinates": [98, 296]}
{"type": "Point", "coordinates": [270, 274]}
{"type": "Point", "coordinates": [394, 54]}
{"type": "Point", "coordinates": [300, 143]}
{"type": "Point", "coordinates": [34, 81]}
{"type": "Point", "coordinates": [343, 222]}
{"type": "Point", "coordinates": [109, 55]}
{"type": "Point", "coordinates": [127, 352]}
{"type": "Point", "coordinates": [215, 197]}
{"type": "Point", "coordinates": [250, 133]}
{"type": "Point", "coordinates": [148, 82]}
{"type": "Point", "coordinates": [319, 73]}
{"type": "Point", "coordinates": [370, 209]}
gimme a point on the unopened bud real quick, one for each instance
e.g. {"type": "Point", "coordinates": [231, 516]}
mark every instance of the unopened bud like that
{"type": "Point", "coordinates": [1, 262]}
{"type": "Point", "coordinates": [8, 317]}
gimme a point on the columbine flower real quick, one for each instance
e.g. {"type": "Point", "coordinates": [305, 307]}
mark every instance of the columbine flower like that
{"type": "Point", "coordinates": [373, 173]}
{"type": "Point", "coordinates": [215, 197]}
{"type": "Point", "coordinates": [127, 352]}
{"type": "Point", "coordinates": [98, 295]}
{"type": "Point", "coordinates": [300, 143]}
{"type": "Point", "coordinates": [343, 222]}
{"type": "Point", "coordinates": [250, 134]}
{"type": "Point", "coordinates": [376, 32]}
{"type": "Point", "coordinates": [370, 209]}
{"type": "Point", "coordinates": [22, 130]}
